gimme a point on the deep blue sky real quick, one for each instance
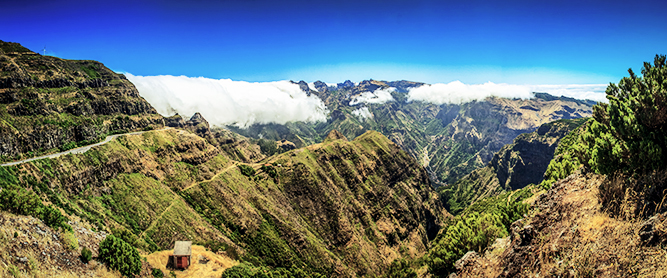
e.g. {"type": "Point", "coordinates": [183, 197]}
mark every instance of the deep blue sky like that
{"type": "Point", "coordinates": [521, 42]}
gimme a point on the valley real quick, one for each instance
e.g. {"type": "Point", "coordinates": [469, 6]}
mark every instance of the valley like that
{"type": "Point", "coordinates": [387, 186]}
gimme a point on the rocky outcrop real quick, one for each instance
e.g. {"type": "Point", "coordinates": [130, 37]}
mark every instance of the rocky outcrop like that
{"type": "Point", "coordinates": [54, 104]}
{"type": "Point", "coordinates": [335, 135]}
{"type": "Point", "coordinates": [321, 87]}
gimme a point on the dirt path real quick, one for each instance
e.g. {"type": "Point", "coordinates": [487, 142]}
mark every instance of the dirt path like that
{"type": "Point", "coordinates": [159, 217]}
{"type": "Point", "coordinates": [212, 178]}
{"type": "Point", "coordinates": [79, 149]}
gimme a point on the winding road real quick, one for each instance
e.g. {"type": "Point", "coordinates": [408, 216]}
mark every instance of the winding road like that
{"type": "Point", "coordinates": [80, 149]}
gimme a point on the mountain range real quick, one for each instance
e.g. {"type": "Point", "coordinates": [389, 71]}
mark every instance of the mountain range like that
{"type": "Point", "coordinates": [386, 187]}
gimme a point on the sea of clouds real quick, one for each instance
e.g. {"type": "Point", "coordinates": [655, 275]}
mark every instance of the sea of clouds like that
{"type": "Point", "coordinates": [226, 102]}
{"type": "Point", "coordinates": [458, 92]}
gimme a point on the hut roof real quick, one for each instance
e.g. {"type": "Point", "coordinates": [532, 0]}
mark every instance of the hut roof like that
{"type": "Point", "coordinates": [183, 248]}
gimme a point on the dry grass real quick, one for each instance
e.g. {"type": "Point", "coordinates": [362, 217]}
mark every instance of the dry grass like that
{"type": "Point", "coordinates": [28, 248]}
{"type": "Point", "coordinates": [203, 263]}
{"type": "Point", "coordinates": [571, 236]}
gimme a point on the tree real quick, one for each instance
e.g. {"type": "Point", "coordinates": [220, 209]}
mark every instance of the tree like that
{"type": "Point", "coordinates": [628, 134]}
{"type": "Point", "coordinates": [120, 255]}
{"type": "Point", "coordinates": [86, 255]}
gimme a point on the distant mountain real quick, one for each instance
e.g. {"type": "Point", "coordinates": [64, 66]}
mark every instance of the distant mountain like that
{"type": "Point", "coordinates": [450, 140]}
{"type": "Point", "coordinates": [515, 166]}
{"type": "Point", "coordinates": [49, 104]}
{"type": "Point", "coordinates": [338, 208]}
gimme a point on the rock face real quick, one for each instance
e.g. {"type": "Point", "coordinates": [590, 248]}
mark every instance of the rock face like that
{"type": "Point", "coordinates": [49, 104]}
{"type": "Point", "coordinates": [515, 166]}
{"type": "Point", "coordinates": [321, 86]}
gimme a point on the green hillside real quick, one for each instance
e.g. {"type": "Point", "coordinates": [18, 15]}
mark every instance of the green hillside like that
{"type": "Point", "coordinates": [48, 104]}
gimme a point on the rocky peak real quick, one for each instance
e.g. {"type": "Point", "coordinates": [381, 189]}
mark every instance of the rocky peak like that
{"type": "Point", "coordinates": [370, 85]}
{"type": "Point", "coordinates": [174, 121]}
{"type": "Point", "coordinates": [303, 86]}
{"type": "Point", "coordinates": [335, 135]}
{"type": "Point", "coordinates": [321, 86]}
{"type": "Point", "coordinates": [198, 124]}
{"type": "Point", "coordinates": [196, 119]}
{"type": "Point", "coordinates": [345, 85]}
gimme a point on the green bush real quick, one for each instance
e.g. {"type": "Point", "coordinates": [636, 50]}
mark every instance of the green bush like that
{"type": "Point", "coordinates": [473, 230]}
{"type": "Point", "coordinates": [86, 255]}
{"type": "Point", "coordinates": [21, 201]}
{"type": "Point", "coordinates": [245, 270]}
{"type": "Point", "coordinates": [246, 170]}
{"type": "Point", "coordinates": [400, 268]}
{"type": "Point", "coordinates": [270, 170]}
{"type": "Point", "coordinates": [120, 255]}
{"type": "Point", "coordinates": [627, 135]}
{"type": "Point", "coordinates": [70, 240]}
{"type": "Point", "coordinates": [157, 273]}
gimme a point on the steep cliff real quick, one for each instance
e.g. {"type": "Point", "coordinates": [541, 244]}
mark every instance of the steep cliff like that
{"type": "Point", "coordinates": [49, 104]}
{"type": "Point", "coordinates": [515, 166]}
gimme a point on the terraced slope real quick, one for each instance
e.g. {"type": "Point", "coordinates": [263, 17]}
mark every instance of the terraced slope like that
{"type": "Point", "coordinates": [48, 104]}
{"type": "Point", "coordinates": [339, 208]}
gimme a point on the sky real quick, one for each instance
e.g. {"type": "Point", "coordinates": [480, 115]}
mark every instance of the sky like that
{"type": "Point", "coordinates": [474, 42]}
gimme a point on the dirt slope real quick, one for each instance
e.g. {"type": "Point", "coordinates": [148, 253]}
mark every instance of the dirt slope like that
{"type": "Point", "coordinates": [569, 235]}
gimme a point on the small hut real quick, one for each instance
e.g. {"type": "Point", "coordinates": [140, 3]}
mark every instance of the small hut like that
{"type": "Point", "coordinates": [181, 257]}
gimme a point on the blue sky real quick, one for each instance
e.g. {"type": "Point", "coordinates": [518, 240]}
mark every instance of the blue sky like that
{"type": "Point", "coordinates": [517, 42]}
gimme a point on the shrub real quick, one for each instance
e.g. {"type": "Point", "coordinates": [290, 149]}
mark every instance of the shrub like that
{"type": "Point", "coordinates": [86, 255]}
{"type": "Point", "coordinates": [70, 240]}
{"type": "Point", "coordinates": [120, 255]}
{"type": "Point", "coordinates": [270, 170]}
{"type": "Point", "coordinates": [627, 134]}
{"type": "Point", "coordinates": [475, 229]}
{"type": "Point", "coordinates": [400, 268]}
{"type": "Point", "coordinates": [246, 170]}
{"type": "Point", "coordinates": [157, 273]}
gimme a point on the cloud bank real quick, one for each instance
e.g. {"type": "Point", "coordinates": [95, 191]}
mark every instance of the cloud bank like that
{"type": "Point", "coordinates": [458, 92]}
{"type": "Point", "coordinates": [378, 96]}
{"type": "Point", "coordinates": [227, 102]}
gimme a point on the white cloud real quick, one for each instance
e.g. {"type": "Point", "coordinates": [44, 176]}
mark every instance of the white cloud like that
{"type": "Point", "coordinates": [227, 102]}
{"type": "Point", "coordinates": [363, 113]}
{"type": "Point", "coordinates": [579, 91]}
{"type": "Point", "coordinates": [378, 96]}
{"type": "Point", "coordinates": [311, 85]}
{"type": "Point", "coordinates": [458, 92]}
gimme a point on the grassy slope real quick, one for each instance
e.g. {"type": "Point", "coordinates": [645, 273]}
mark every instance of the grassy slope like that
{"type": "Point", "coordinates": [343, 208]}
